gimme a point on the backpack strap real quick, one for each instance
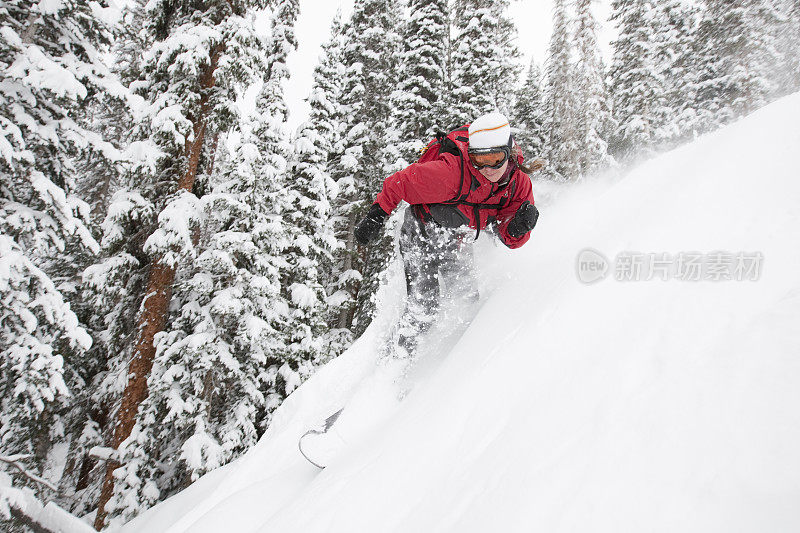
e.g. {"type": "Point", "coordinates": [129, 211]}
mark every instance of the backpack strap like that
{"type": "Point", "coordinates": [476, 207]}
{"type": "Point", "coordinates": [447, 144]}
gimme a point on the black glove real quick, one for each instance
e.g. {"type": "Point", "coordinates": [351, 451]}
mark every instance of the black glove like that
{"type": "Point", "coordinates": [524, 220]}
{"type": "Point", "coordinates": [370, 228]}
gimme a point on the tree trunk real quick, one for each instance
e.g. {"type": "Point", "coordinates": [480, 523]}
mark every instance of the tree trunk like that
{"type": "Point", "coordinates": [155, 305]}
{"type": "Point", "coordinates": [100, 416]}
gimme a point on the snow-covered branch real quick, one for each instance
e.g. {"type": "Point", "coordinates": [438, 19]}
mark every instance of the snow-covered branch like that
{"type": "Point", "coordinates": [22, 505]}
{"type": "Point", "coordinates": [14, 460]}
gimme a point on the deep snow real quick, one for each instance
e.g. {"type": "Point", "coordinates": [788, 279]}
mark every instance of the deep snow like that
{"type": "Point", "coordinates": [617, 406]}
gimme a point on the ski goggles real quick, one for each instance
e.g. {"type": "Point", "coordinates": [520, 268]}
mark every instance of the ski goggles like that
{"type": "Point", "coordinates": [489, 157]}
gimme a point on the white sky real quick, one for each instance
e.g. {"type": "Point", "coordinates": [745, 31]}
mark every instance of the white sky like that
{"type": "Point", "coordinates": [533, 19]}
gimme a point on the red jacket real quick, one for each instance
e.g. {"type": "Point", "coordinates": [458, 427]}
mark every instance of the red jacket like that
{"type": "Point", "coordinates": [423, 185]}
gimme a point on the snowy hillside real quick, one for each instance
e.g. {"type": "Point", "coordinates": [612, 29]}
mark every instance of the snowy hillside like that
{"type": "Point", "coordinates": [635, 406]}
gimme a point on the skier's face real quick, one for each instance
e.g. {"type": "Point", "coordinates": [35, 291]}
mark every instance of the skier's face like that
{"type": "Point", "coordinates": [494, 174]}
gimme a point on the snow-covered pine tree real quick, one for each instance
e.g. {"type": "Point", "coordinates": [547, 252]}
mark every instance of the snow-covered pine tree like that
{"type": "Point", "coordinates": [369, 155]}
{"type": "Point", "coordinates": [51, 72]}
{"type": "Point", "coordinates": [101, 306]}
{"type": "Point", "coordinates": [787, 42]}
{"type": "Point", "coordinates": [327, 119]}
{"type": "Point", "coordinates": [790, 44]}
{"type": "Point", "coordinates": [737, 44]}
{"type": "Point", "coordinates": [446, 110]}
{"type": "Point", "coordinates": [316, 150]}
{"type": "Point", "coordinates": [767, 56]}
{"type": "Point", "coordinates": [591, 104]}
{"type": "Point", "coordinates": [327, 114]}
{"type": "Point", "coordinates": [311, 240]}
{"type": "Point", "coordinates": [196, 56]}
{"type": "Point", "coordinates": [560, 126]}
{"type": "Point", "coordinates": [637, 87]}
{"type": "Point", "coordinates": [229, 357]}
{"type": "Point", "coordinates": [113, 284]}
{"type": "Point", "coordinates": [674, 37]}
{"type": "Point", "coordinates": [309, 254]}
{"type": "Point", "coordinates": [421, 90]}
{"type": "Point", "coordinates": [528, 115]}
{"type": "Point", "coordinates": [765, 24]}
{"type": "Point", "coordinates": [484, 67]}
{"type": "Point", "coordinates": [208, 389]}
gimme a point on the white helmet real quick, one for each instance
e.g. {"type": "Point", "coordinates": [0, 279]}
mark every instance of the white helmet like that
{"type": "Point", "coordinates": [490, 141]}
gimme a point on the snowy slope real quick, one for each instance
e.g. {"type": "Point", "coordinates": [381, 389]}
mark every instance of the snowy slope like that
{"type": "Point", "coordinates": [617, 406]}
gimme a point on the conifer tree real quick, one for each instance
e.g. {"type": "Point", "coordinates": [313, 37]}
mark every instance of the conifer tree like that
{"type": "Point", "coordinates": [674, 35]}
{"type": "Point", "coordinates": [484, 70]}
{"type": "Point", "coordinates": [107, 305]}
{"type": "Point", "coordinates": [327, 114]}
{"type": "Point", "coordinates": [316, 150]}
{"type": "Point", "coordinates": [311, 242]}
{"type": "Point", "coordinates": [196, 57]}
{"type": "Point", "coordinates": [559, 100]}
{"type": "Point", "coordinates": [310, 254]}
{"type": "Point", "coordinates": [217, 362]}
{"type": "Point", "coordinates": [636, 84]}
{"type": "Point", "coordinates": [790, 44]}
{"type": "Point", "coordinates": [529, 116]}
{"type": "Point", "coordinates": [227, 359]}
{"type": "Point", "coordinates": [51, 72]}
{"type": "Point", "coordinates": [420, 93]}
{"type": "Point", "coordinates": [737, 43]}
{"type": "Point", "coordinates": [327, 119]}
{"type": "Point", "coordinates": [591, 105]}
{"type": "Point", "coordinates": [368, 142]}
{"type": "Point", "coordinates": [766, 56]}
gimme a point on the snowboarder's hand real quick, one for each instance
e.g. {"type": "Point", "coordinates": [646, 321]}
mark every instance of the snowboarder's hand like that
{"type": "Point", "coordinates": [524, 220]}
{"type": "Point", "coordinates": [370, 228]}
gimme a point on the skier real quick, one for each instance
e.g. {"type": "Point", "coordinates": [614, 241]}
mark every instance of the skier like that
{"type": "Point", "coordinates": [470, 178]}
{"type": "Point", "coordinates": [466, 180]}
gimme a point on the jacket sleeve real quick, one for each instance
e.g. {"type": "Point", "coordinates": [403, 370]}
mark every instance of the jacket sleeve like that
{"type": "Point", "coordinates": [422, 183]}
{"type": "Point", "coordinates": [523, 192]}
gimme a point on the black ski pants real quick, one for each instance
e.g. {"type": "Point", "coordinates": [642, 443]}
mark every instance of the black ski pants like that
{"type": "Point", "coordinates": [438, 263]}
